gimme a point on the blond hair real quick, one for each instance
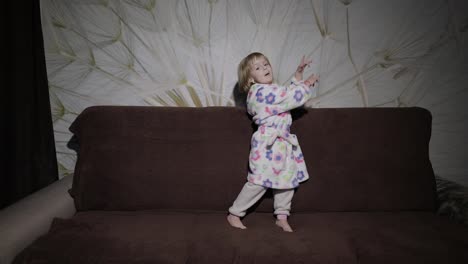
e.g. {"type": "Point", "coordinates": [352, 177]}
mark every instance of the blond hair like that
{"type": "Point", "coordinates": [243, 71]}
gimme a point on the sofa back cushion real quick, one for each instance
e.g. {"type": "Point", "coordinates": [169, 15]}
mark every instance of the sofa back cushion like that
{"type": "Point", "coordinates": [133, 158]}
{"type": "Point", "coordinates": [180, 158]}
{"type": "Point", "coordinates": [363, 159]}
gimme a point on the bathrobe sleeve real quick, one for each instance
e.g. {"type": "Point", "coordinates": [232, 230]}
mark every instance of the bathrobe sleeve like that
{"type": "Point", "coordinates": [265, 100]}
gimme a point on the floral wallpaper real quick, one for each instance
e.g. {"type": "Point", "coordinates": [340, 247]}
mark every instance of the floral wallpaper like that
{"type": "Point", "coordinates": [368, 53]}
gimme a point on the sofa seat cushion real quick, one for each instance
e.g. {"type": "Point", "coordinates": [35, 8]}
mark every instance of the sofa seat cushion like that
{"type": "Point", "coordinates": [205, 237]}
{"type": "Point", "coordinates": [393, 237]}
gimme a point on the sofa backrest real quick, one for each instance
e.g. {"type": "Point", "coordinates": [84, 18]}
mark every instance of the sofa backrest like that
{"type": "Point", "coordinates": [180, 158]}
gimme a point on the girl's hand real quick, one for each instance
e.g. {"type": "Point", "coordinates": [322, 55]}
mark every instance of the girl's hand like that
{"type": "Point", "coordinates": [300, 68]}
{"type": "Point", "coordinates": [311, 80]}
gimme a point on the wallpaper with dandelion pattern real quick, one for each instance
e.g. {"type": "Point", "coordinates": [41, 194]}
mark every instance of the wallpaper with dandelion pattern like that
{"type": "Point", "coordinates": [369, 53]}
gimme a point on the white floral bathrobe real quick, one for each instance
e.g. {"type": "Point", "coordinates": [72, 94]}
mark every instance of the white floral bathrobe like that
{"type": "Point", "coordinates": [276, 159]}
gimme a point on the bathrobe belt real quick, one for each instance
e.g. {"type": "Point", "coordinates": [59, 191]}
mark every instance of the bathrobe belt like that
{"type": "Point", "coordinates": [274, 134]}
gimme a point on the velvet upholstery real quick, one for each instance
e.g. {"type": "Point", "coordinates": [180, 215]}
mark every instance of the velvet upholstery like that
{"type": "Point", "coordinates": [153, 184]}
{"type": "Point", "coordinates": [204, 237]}
{"type": "Point", "coordinates": [359, 159]}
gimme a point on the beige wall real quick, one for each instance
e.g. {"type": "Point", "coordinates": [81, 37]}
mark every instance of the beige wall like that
{"type": "Point", "coordinates": [369, 53]}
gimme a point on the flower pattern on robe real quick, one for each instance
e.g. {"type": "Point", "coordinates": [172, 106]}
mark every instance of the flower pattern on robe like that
{"type": "Point", "coordinates": [276, 160]}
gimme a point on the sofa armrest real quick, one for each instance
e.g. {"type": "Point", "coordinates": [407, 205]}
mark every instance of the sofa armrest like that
{"type": "Point", "coordinates": [452, 199]}
{"type": "Point", "coordinates": [24, 221]}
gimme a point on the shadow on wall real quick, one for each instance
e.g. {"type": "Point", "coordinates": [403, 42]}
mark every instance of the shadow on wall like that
{"type": "Point", "coordinates": [73, 144]}
{"type": "Point", "coordinates": [239, 96]}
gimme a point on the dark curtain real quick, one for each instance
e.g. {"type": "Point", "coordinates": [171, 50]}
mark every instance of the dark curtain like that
{"type": "Point", "coordinates": [27, 141]}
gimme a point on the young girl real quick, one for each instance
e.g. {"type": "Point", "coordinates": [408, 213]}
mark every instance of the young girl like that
{"type": "Point", "coordinates": [276, 159]}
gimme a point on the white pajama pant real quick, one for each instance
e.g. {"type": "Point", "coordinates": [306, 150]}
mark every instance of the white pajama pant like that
{"type": "Point", "coordinates": [251, 193]}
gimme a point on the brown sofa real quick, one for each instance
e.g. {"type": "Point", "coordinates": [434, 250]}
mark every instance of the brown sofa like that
{"type": "Point", "coordinates": [153, 185]}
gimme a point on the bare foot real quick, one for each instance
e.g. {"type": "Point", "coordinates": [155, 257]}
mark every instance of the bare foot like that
{"type": "Point", "coordinates": [283, 223]}
{"type": "Point", "coordinates": [235, 221]}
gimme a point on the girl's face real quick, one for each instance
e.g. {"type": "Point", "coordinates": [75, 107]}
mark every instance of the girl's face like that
{"type": "Point", "coordinates": [260, 71]}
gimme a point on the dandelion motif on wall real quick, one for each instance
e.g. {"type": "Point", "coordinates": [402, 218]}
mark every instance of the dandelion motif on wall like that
{"type": "Point", "coordinates": [368, 53]}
